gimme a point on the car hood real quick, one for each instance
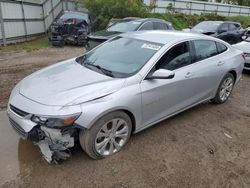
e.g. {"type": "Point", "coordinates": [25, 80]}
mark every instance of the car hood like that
{"type": "Point", "coordinates": [68, 83]}
{"type": "Point", "coordinates": [104, 35]}
{"type": "Point", "coordinates": [243, 46]}
{"type": "Point", "coordinates": [205, 32]}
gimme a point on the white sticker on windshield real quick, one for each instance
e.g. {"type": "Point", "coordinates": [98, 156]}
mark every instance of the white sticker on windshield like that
{"type": "Point", "coordinates": [151, 46]}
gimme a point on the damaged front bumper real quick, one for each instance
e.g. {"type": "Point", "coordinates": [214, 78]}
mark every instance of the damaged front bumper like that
{"type": "Point", "coordinates": [54, 143]}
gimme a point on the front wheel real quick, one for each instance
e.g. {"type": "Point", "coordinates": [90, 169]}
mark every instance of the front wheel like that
{"type": "Point", "coordinates": [225, 89]}
{"type": "Point", "coordinates": [107, 136]}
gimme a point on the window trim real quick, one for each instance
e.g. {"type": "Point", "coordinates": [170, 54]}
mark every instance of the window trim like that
{"type": "Point", "coordinates": [192, 53]}
{"type": "Point", "coordinates": [167, 50]}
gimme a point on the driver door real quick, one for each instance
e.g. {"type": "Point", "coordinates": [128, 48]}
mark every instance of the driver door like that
{"type": "Point", "coordinates": [163, 97]}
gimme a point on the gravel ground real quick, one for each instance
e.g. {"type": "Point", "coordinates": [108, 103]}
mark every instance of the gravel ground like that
{"type": "Point", "coordinates": [206, 146]}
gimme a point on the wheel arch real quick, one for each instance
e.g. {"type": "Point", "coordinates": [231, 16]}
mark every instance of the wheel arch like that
{"type": "Point", "coordinates": [233, 72]}
{"type": "Point", "coordinates": [123, 109]}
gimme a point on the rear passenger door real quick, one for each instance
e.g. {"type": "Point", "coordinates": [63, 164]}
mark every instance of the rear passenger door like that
{"type": "Point", "coordinates": [234, 34]}
{"type": "Point", "coordinates": [209, 61]}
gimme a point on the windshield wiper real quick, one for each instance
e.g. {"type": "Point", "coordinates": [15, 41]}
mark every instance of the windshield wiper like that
{"type": "Point", "coordinates": [104, 71]}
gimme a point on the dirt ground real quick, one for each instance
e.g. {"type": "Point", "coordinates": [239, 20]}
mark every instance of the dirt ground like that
{"type": "Point", "coordinates": [207, 146]}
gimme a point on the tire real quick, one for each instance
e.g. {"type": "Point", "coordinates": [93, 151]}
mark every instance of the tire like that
{"type": "Point", "coordinates": [224, 91]}
{"type": "Point", "coordinates": [107, 136]}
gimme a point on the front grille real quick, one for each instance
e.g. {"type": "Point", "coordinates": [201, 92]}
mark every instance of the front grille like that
{"type": "Point", "coordinates": [18, 111]}
{"type": "Point", "coordinates": [18, 128]}
{"type": "Point", "coordinates": [247, 65]}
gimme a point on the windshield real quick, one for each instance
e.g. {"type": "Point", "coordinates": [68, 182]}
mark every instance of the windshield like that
{"type": "Point", "coordinates": [121, 57]}
{"type": "Point", "coordinates": [207, 26]}
{"type": "Point", "coordinates": [124, 26]}
{"type": "Point", "coordinates": [67, 16]}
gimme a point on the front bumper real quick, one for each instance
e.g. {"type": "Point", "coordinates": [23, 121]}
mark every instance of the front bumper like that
{"type": "Point", "coordinates": [52, 142]}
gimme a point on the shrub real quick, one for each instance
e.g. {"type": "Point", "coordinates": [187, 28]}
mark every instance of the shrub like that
{"type": "Point", "coordinates": [104, 10]}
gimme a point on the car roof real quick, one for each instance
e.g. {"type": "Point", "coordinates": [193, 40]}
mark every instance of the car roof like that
{"type": "Point", "coordinates": [75, 12]}
{"type": "Point", "coordinates": [220, 22]}
{"type": "Point", "coordinates": [142, 20]}
{"type": "Point", "coordinates": [164, 37]}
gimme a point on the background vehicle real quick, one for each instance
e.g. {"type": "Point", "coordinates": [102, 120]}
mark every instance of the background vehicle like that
{"type": "Point", "coordinates": [126, 25]}
{"type": "Point", "coordinates": [230, 32]}
{"type": "Point", "coordinates": [127, 84]}
{"type": "Point", "coordinates": [244, 46]}
{"type": "Point", "coordinates": [71, 27]}
{"type": "Point", "coordinates": [247, 32]}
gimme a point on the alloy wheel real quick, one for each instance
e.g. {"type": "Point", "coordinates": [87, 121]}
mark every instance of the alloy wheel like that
{"type": "Point", "coordinates": [111, 137]}
{"type": "Point", "coordinates": [226, 88]}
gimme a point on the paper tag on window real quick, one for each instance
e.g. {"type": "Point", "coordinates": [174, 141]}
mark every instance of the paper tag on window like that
{"type": "Point", "coordinates": [151, 46]}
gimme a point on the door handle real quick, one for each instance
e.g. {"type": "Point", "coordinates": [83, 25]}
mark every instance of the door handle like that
{"type": "Point", "coordinates": [220, 63]}
{"type": "Point", "coordinates": [189, 75]}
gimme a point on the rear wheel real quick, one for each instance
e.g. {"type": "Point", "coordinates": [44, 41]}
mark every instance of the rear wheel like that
{"type": "Point", "coordinates": [225, 89]}
{"type": "Point", "coordinates": [107, 136]}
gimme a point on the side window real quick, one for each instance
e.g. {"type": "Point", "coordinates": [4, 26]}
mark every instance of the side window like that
{"type": "Point", "coordinates": [232, 27]}
{"type": "Point", "coordinates": [223, 28]}
{"type": "Point", "coordinates": [177, 57]}
{"type": "Point", "coordinates": [160, 26]}
{"type": "Point", "coordinates": [204, 49]}
{"type": "Point", "coordinates": [221, 47]}
{"type": "Point", "coordinates": [147, 26]}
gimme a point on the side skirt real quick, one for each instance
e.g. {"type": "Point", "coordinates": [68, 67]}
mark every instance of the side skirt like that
{"type": "Point", "coordinates": [168, 116]}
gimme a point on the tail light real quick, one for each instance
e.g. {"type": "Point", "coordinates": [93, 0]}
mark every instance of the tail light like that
{"type": "Point", "coordinates": [244, 56]}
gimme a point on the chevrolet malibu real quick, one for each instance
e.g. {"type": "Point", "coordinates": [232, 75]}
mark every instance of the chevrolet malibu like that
{"type": "Point", "coordinates": [121, 87]}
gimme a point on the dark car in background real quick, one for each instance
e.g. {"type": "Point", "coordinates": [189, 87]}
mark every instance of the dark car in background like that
{"type": "Point", "coordinates": [230, 32]}
{"type": "Point", "coordinates": [71, 27]}
{"type": "Point", "coordinates": [127, 25]}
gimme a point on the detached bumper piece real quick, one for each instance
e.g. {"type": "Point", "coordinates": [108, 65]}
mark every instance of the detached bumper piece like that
{"type": "Point", "coordinates": [53, 143]}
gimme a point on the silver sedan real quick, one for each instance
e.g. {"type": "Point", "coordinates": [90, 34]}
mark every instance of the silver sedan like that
{"type": "Point", "coordinates": [121, 87]}
{"type": "Point", "coordinates": [244, 46]}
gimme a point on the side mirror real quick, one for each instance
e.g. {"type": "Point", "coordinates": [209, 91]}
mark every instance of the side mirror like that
{"type": "Point", "coordinates": [162, 74]}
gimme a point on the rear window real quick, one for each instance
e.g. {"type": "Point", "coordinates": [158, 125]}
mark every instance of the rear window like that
{"type": "Point", "coordinates": [67, 16]}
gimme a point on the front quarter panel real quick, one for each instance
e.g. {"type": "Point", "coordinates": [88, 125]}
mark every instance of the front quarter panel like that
{"type": "Point", "coordinates": [128, 98]}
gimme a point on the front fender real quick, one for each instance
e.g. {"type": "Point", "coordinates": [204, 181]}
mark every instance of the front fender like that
{"type": "Point", "coordinates": [128, 99]}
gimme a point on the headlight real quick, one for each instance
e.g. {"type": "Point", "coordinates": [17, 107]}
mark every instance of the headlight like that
{"type": "Point", "coordinates": [59, 121]}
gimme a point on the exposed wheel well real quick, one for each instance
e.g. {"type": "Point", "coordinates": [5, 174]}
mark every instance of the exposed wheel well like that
{"type": "Point", "coordinates": [132, 117]}
{"type": "Point", "coordinates": [234, 74]}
